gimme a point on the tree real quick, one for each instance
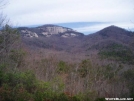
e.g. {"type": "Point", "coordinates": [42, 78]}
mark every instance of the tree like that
{"type": "Point", "coordinates": [10, 44]}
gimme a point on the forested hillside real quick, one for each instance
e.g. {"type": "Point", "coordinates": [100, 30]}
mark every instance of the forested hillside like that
{"type": "Point", "coordinates": [89, 71]}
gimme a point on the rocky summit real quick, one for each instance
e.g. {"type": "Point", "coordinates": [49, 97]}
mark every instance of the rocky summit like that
{"type": "Point", "coordinates": [48, 31]}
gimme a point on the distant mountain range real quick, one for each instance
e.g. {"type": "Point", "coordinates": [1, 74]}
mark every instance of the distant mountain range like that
{"type": "Point", "coordinates": [89, 27]}
{"type": "Point", "coordinates": [110, 40]}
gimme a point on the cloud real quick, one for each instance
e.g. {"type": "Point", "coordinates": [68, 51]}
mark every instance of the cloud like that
{"type": "Point", "coordinates": [31, 12]}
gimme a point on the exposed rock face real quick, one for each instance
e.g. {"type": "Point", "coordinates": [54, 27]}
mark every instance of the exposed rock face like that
{"type": "Point", "coordinates": [49, 30]}
{"type": "Point", "coordinates": [27, 33]}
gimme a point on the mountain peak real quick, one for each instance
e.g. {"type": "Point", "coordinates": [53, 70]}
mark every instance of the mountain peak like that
{"type": "Point", "coordinates": [113, 31]}
{"type": "Point", "coordinates": [113, 27]}
{"type": "Point", "coordinates": [49, 30]}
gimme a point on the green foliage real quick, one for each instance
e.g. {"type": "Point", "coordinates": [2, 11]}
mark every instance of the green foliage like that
{"type": "Point", "coordinates": [17, 93]}
{"type": "Point", "coordinates": [1, 39]}
{"type": "Point", "coordinates": [63, 97]}
{"type": "Point", "coordinates": [100, 99]}
{"type": "Point", "coordinates": [118, 52]}
{"type": "Point", "coordinates": [62, 67]}
{"type": "Point", "coordinates": [17, 55]}
{"type": "Point", "coordinates": [108, 72]}
{"type": "Point", "coordinates": [129, 76]}
{"type": "Point", "coordinates": [2, 66]}
{"type": "Point", "coordinates": [84, 69]}
{"type": "Point", "coordinates": [75, 98]}
{"type": "Point", "coordinates": [8, 37]}
{"type": "Point", "coordinates": [10, 47]}
{"type": "Point", "coordinates": [23, 86]}
{"type": "Point", "coordinates": [59, 85]}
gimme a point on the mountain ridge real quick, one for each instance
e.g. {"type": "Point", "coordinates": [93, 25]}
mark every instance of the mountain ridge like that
{"type": "Point", "coordinates": [49, 30]}
{"type": "Point", "coordinates": [66, 38]}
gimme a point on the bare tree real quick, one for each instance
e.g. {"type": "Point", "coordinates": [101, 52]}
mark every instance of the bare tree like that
{"type": "Point", "coordinates": [10, 45]}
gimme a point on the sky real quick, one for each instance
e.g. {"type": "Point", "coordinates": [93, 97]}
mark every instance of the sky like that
{"type": "Point", "coordinates": [38, 12]}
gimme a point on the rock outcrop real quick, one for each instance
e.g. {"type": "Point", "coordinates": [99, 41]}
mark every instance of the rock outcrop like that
{"type": "Point", "coordinates": [27, 33]}
{"type": "Point", "coordinates": [48, 31]}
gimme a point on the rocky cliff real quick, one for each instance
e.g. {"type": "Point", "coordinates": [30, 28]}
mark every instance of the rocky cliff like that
{"type": "Point", "coordinates": [49, 30]}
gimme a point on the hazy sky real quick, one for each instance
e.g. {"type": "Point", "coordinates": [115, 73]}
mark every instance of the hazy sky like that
{"type": "Point", "coordinates": [33, 12]}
